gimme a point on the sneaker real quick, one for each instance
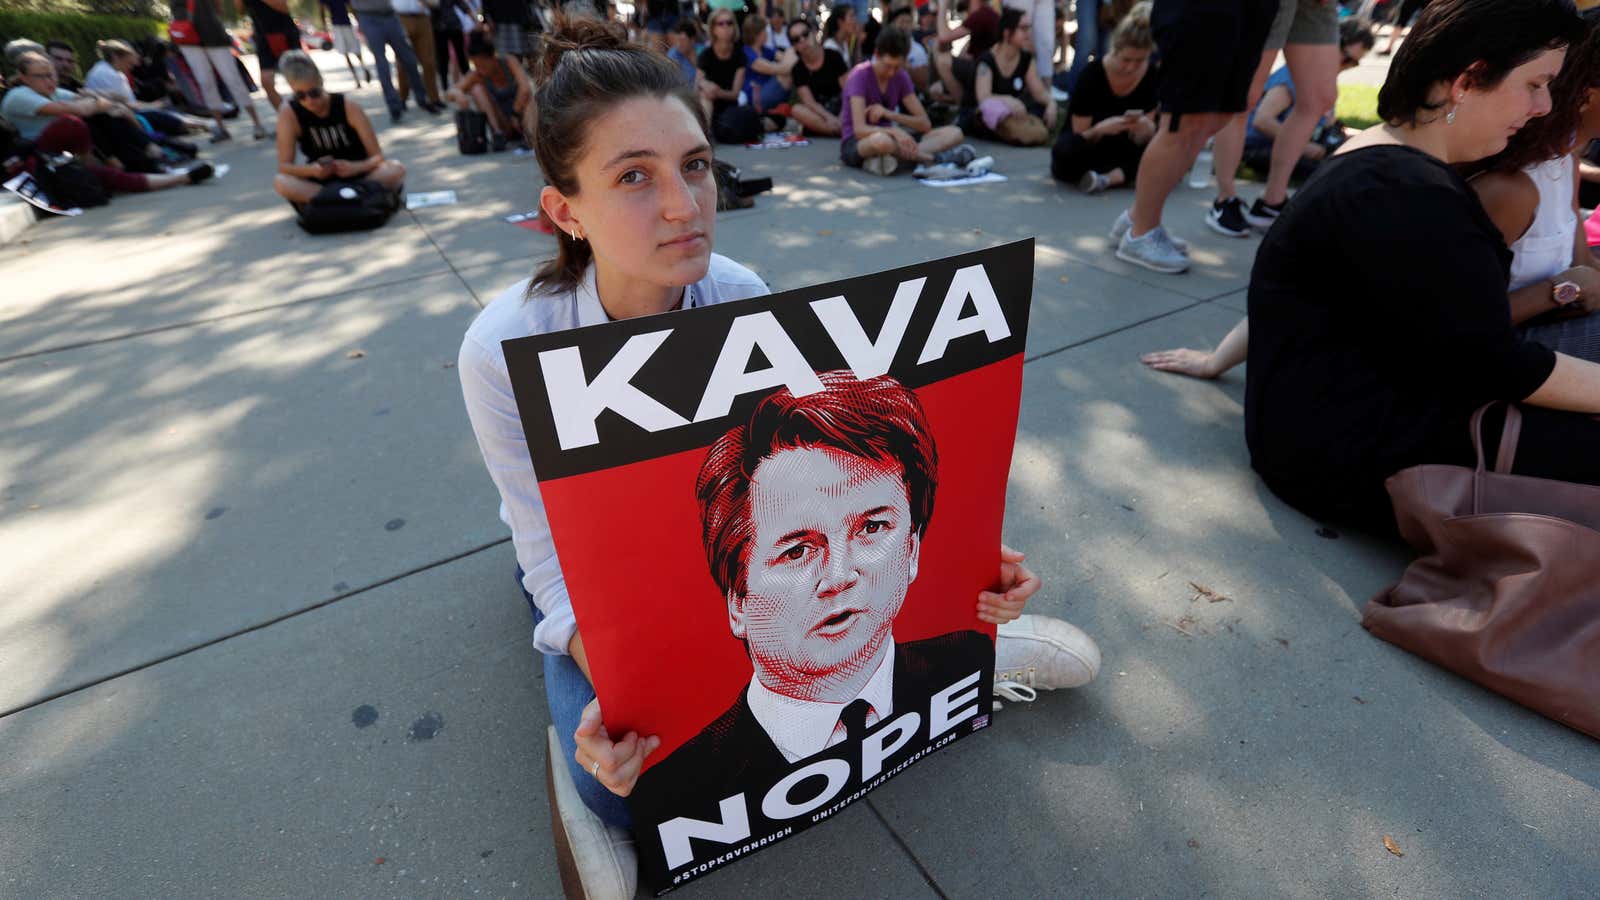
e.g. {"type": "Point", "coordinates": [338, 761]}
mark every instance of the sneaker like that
{"type": "Point", "coordinates": [497, 142]}
{"type": "Point", "coordinates": [1040, 653]}
{"type": "Point", "coordinates": [1262, 214]}
{"type": "Point", "coordinates": [939, 170]}
{"type": "Point", "coordinates": [1125, 221]}
{"type": "Point", "coordinates": [983, 165]}
{"type": "Point", "coordinates": [1093, 182]}
{"type": "Point", "coordinates": [1154, 250]}
{"type": "Point", "coordinates": [397, 115]}
{"type": "Point", "coordinates": [595, 860]}
{"type": "Point", "coordinates": [200, 173]}
{"type": "Point", "coordinates": [432, 108]}
{"type": "Point", "coordinates": [1227, 217]}
{"type": "Point", "coordinates": [220, 135]}
{"type": "Point", "coordinates": [958, 156]}
{"type": "Point", "coordinates": [881, 165]}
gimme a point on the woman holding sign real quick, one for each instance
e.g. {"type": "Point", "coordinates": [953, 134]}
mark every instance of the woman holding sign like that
{"type": "Point", "coordinates": [624, 147]}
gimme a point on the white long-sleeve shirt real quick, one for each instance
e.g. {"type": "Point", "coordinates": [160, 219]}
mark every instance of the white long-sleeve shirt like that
{"type": "Point", "coordinates": [486, 386]}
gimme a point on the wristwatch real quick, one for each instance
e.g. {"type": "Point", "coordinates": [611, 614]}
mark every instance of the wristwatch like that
{"type": "Point", "coordinates": [1566, 293]}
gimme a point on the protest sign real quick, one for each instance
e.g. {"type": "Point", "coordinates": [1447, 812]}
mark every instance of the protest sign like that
{"type": "Point", "coordinates": [774, 518]}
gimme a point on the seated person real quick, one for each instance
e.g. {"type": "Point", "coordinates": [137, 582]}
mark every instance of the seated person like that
{"type": "Point", "coordinates": [680, 47]}
{"type": "Point", "coordinates": [981, 28]}
{"type": "Point", "coordinates": [1111, 114]}
{"type": "Point", "coordinates": [66, 62]}
{"type": "Point", "coordinates": [1261, 129]}
{"type": "Point", "coordinates": [766, 82]}
{"type": "Point", "coordinates": [498, 87]}
{"type": "Point", "coordinates": [918, 63]}
{"type": "Point", "coordinates": [882, 113]}
{"type": "Point", "coordinates": [335, 137]}
{"type": "Point", "coordinates": [722, 74]}
{"type": "Point", "coordinates": [1011, 103]}
{"type": "Point", "coordinates": [841, 33]}
{"type": "Point", "coordinates": [109, 78]}
{"type": "Point", "coordinates": [818, 78]}
{"type": "Point", "coordinates": [58, 121]}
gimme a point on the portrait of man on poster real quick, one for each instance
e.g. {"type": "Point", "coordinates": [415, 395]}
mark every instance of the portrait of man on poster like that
{"type": "Point", "coordinates": [813, 515]}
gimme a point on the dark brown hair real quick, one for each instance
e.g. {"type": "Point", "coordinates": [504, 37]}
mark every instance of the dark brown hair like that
{"type": "Point", "coordinates": [1484, 38]}
{"type": "Point", "coordinates": [892, 42]}
{"type": "Point", "coordinates": [587, 67]}
{"type": "Point", "coordinates": [1551, 136]}
{"type": "Point", "coordinates": [878, 420]}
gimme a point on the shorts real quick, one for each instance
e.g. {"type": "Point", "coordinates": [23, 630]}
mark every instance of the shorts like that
{"type": "Point", "coordinates": [511, 39]}
{"type": "Point", "coordinates": [1209, 53]}
{"type": "Point", "coordinates": [1304, 22]}
{"type": "Point", "coordinates": [272, 44]}
{"type": "Point", "coordinates": [345, 40]}
{"type": "Point", "coordinates": [849, 155]}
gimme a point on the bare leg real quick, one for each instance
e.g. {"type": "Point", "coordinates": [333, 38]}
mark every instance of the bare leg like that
{"type": "Point", "coordinates": [942, 138]}
{"type": "Point", "coordinates": [390, 173]}
{"type": "Point", "coordinates": [876, 144]}
{"type": "Point", "coordinates": [269, 83]}
{"type": "Point", "coordinates": [943, 65]}
{"type": "Point", "coordinates": [1229, 148]}
{"type": "Point", "coordinates": [1116, 178]}
{"type": "Point", "coordinates": [1315, 69]}
{"type": "Point", "coordinates": [1166, 161]}
{"type": "Point", "coordinates": [486, 105]}
{"type": "Point", "coordinates": [824, 123]}
{"type": "Point", "coordinates": [351, 63]}
{"type": "Point", "coordinates": [295, 190]}
{"type": "Point", "coordinates": [164, 181]}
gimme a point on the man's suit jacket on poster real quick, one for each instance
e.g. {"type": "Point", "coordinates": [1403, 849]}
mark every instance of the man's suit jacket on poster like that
{"type": "Point", "coordinates": [734, 752]}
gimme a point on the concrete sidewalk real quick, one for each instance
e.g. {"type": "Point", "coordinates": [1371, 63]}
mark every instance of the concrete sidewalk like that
{"type": "Point", "coordinates": [259, 634]}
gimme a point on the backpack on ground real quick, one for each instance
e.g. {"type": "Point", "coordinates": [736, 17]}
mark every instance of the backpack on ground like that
{"type": "Point", "coordinates": [68, 182]}
{"type": "Point", "coordinates": [737, 125]}
{"type": "Point", "coordinates": [472, 132]}
{"type": "Point", "coordinates": [348, 206]}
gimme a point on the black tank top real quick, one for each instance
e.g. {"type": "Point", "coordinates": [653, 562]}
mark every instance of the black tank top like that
{"type": "Point", "coordinates": [330, 135]}
{"type": "Point", "coordinates": [1013, 84]}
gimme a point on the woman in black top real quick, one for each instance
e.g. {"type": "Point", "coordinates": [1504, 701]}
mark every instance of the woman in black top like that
{"type": "Point", "coordinates": [721, 67]}
{"type": "Point", "coordinates": [1378, 312]}
{"type": "Point", "coordinates": [1111, 117]}
{"type": "Point", "coordinates": [1006, 76]}
{"type": "Point", "coordinates": [818, 82]}
{"type": "Point", "coordinates": [335, 137]}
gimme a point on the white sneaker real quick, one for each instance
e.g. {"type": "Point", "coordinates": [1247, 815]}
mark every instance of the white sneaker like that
{"type": "Point", "coordinates": [1093, 182]}
{"type": "Point", "coordinates": [881, 165]}
{"type": "Point", "coordinates": [1125, 221]}
{"type": "Point", "coordinates": [983, 165]}
{"type": "Point", "coordinates": [1042, 654]}
{"type": "Point", "coordinates": [596, 860]}
{"type": "Point", "coordinates": [1154, 250]}
{"type": "Point", "coordinates": [939, 171]}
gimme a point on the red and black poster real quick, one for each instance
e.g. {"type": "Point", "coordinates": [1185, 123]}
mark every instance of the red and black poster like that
{"type": "Point", "coordinates": [774, 517]}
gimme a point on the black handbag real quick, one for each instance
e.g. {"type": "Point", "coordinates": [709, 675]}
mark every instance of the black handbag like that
{"type": "Point", "coordinates": [472, 132]}
{"type": "Point", "coordinates": [68, 182]}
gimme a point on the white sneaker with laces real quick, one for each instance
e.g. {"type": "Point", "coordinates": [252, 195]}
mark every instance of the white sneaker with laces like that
{"type": "Point", "coordinates": [596, 860]}
{"type": "Point", "coordinates": [1040, 653]}
{"type": "Point", "coordinates": [881, 165]}
{"type": "Point", "coordinates": [1154, 250]}
{"type": "Point", "coordinates": [1125, 221]}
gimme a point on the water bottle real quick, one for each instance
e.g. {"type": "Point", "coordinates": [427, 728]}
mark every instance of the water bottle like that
{"type": "Point", "coordinates": [1200, 172]}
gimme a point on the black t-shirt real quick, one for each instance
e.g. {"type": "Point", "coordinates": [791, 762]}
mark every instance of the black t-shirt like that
{"type": "Point", "coordinates": [507, 12]}
{"type": "Point", "coordinates": [266, 18]}
{"type": "Point", "coordinates": [1008, 84]}
{"type": "Point", "coordinates": [1093, 96]}
{"type": "Point", "coordinates": [721, 72]}
{"type": "Point", "coordinates": [1378, 323]}
{"type": "Point", "coordinates": [824, 82]}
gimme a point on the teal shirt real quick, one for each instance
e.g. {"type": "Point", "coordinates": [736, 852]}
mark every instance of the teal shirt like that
{"type": "Point", "coordinates": [21, 108]}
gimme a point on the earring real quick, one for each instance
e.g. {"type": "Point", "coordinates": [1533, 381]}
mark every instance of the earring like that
{"type": "Point", "coordinates": [576, 238]}
{"type": "Point", "coordinates": [1450, 117]}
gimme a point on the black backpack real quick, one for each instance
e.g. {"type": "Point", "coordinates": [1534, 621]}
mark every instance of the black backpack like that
{"type": "Point", "coordinates": [472, 132]}
{"type": "Point", "coordinates": [737, 125]}
{"type": "Point", "coordinates": [348, 206]}
{"type": "Point", "coordinates": [68, 182]}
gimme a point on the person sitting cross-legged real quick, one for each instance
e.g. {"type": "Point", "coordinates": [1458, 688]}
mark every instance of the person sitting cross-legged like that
{"type": "Point", "coordinates": [498, 87]}
{"type": "Point", "coordinates": [335, 137]}
{"type": "Point", "coordinates": [882, 115]}
{"type": "Point", "coordinates": [1111, 116]}
{"type": "Point", "coordinates": [818, 82]}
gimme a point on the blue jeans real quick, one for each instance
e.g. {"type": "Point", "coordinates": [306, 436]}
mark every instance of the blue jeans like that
{"type": "Point", "coordinates": [567, 690]}
{"type": "Point", "coordinates": [382, 29]}
{"type": "Point", "coordinates": [1088, 41]}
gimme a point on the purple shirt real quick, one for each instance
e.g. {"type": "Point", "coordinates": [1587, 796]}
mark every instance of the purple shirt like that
{"type": "Point", "coordinates": [864, 84]}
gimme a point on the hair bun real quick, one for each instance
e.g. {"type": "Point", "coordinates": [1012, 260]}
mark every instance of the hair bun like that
{"type": "Point", "coordinates": [573, 34]}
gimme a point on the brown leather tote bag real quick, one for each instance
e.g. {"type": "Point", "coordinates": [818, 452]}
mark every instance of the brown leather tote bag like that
{"type": "Point", "coordinates": [1506, 591]}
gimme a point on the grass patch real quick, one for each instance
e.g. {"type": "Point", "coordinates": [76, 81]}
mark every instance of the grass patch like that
{"type": "Point", "coordinates": [1358, 106]}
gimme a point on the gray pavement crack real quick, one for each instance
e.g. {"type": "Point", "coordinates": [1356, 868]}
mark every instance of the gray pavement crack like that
{"type": "Point", "coordinates": [255, 627]}
{"type": "Point", "coordinates": [1118, 330]}
{"type": "Point", "coordinates": [906, 849]}
{"type": "Point", "coordinates": [446, 257]}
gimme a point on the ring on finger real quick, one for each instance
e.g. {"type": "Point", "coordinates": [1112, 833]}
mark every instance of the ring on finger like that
{"type": "Point", "coordinates": [594, 772]}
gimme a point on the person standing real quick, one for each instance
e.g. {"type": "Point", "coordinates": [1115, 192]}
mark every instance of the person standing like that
{"type": "Point", "coordinates": [416, 20]}
{"type": "Point", "coordinates": [508, 20]}
{"type": "Point", "coordinates": [336, 19]}
{"type": "Point", "coordinates": [381, 27]}
{"type": "Point", "coordinates": [448, 35]}
{"type": "Point", "coordinates": [210, 55]}
{"type": "Point", "coordinates": [1209, 53]}
{"type": "Point", "coordinates": [275, 34]}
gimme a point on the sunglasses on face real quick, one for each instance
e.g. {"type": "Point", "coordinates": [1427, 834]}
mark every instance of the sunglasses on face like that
{"type": "Point", "coordinates": [315, 93]}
